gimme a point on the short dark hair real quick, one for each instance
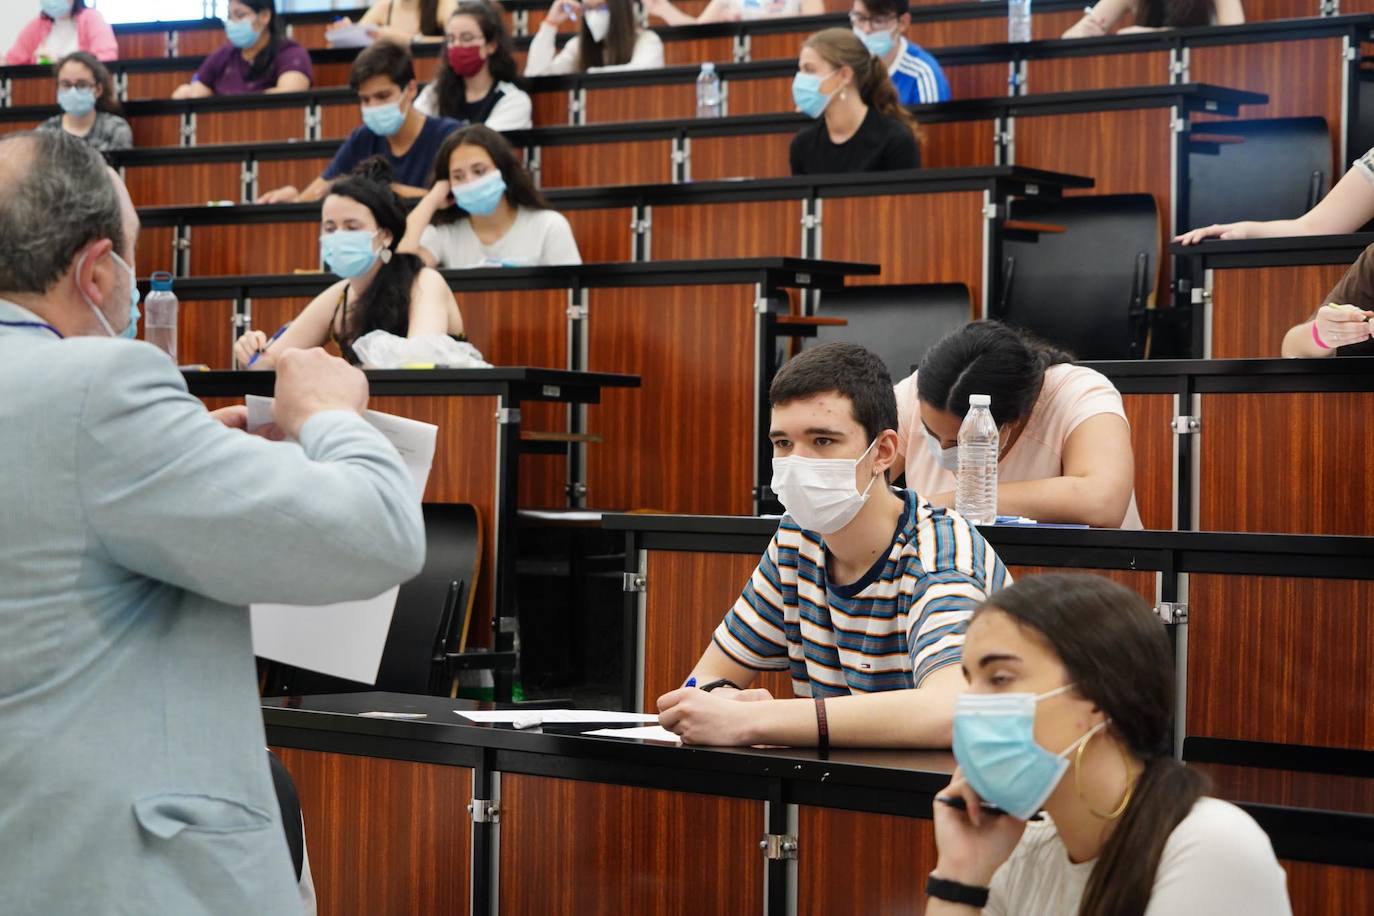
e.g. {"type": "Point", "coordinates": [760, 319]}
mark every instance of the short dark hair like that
{"type": "Point", "coordinates": [385, 58]}
{"type": "Point", "coordinates": [887, 7]}
{"type": "Point", "coordinates": [847, 369]}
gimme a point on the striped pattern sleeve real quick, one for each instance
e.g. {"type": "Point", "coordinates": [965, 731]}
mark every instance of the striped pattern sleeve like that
{"type": "Point", "coordinates": [960, 572]}
{"type": "Point", "coordinates": [753, 631]}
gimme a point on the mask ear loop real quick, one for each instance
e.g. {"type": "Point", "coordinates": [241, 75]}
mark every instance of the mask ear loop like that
{"type": "Point", "coordinates": [1078, 777]}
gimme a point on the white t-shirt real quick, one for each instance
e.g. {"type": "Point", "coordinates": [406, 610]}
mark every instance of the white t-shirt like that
{"type": "Point", "coordinates": [1217, 862]}
{"type": "Point", "coordinates": [61, 41]}
{"type": "Point", "coordinates": [545, 59]}
{"type": "Point", "coordinates": [768, 9]}
{"type": "Point", "coordinates": [512, 111]}
{"type": "Point", "coordinates": [537, 238]}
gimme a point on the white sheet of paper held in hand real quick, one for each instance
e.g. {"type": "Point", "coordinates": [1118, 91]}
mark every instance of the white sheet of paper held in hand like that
{"type": "Point", "coordinates": [346, 639]}
{"type": "Point", "coordinates": [350, 36]}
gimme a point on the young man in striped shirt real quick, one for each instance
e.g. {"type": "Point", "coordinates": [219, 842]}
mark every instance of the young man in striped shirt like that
{"type": "Point", "coordinates": [863, 594]}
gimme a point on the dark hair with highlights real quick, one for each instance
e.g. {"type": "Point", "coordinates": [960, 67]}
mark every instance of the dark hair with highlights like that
{"type": "Point", "coordinates": [1117, 655]}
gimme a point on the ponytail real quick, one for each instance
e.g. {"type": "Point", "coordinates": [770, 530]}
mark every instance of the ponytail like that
{"type": "Point", "coordinates": [842, 48]}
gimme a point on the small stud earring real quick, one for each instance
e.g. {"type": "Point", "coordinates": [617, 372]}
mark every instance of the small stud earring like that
{"type": "Point", "coordinates": [386, 255]}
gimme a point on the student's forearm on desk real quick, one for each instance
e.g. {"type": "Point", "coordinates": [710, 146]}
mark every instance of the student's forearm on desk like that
{"type": "Point", "coordinates": [715, 664]}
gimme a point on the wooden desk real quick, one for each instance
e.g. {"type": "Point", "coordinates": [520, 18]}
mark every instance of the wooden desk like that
{"type": "Point", "coordinates": [562, 823]}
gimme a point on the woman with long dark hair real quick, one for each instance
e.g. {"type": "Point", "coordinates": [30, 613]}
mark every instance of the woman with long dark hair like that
{"type": "Point", "coordinates": [484, 210]}
{"type": "Point", "coordinates": [362, 224]}
{"type": "Point", "coordinates": [61, 27]}
{"type": "Point", "coordinates": [476, 82]}
{"type": "Point", "coordinates": [90, 108]}
{"type": "Point", "coordinates": [609, 36]}
{"type": "Point", "coordinates": [860, 125]}
{"type": "Point", "coordinates": [1152, 15]}
{"type": "Point", "coordinates": [1069, 710]}
{"type": "Point", "coordinates": [1066, 444]}
{"type": "Point", "coordinates": [404, 21]}
{"type": "Point", "coordinates": [255, 57]}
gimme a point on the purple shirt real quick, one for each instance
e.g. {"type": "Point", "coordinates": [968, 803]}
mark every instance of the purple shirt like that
{"type": "Point", "coordinates": [226, 72]}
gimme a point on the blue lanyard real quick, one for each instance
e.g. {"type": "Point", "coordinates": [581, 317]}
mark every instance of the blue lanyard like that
{"type": "Point", "coordinates": [33, 324]}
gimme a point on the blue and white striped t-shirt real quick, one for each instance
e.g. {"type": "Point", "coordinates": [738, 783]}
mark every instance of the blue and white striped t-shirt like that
{"type": "Point", "coordinates": [917, 76]}
{"type": "Point", "coordinates": [890, 630]}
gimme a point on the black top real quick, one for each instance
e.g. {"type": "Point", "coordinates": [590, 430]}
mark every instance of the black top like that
{"type": "Point", "coordinates": [881, 144]}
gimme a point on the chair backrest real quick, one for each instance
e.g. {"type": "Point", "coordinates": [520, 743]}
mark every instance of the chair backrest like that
{"type": "Point", "coordinates": [1085, 288]}
{"type": "Point", "coordinates": [1275, 168]}
{"type": "Point", "coordinates": [424, 613]}
{"type": "Point", "coordinates": [899, 322]}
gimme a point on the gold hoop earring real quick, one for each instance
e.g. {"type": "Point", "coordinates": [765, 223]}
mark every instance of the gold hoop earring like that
{"type": "Point", "coordinates": [1078, 782]}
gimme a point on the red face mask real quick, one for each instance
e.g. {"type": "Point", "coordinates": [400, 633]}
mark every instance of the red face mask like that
{"type": "Point", "coordinates": [465, 62]}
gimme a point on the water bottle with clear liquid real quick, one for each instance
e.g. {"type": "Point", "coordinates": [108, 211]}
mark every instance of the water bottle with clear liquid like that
{"type": "Point", "coordinates": [1018, 20]}
{"type": "Point", "coordinates": [160, 315]}
{"type": "Point", "coordinates": [975, 494]}
{"type": "Point", "coordinates": [708, 92]}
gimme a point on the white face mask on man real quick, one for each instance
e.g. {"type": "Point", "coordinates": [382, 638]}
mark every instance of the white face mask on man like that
{"type": "Point", "coordinates": [820, 493]}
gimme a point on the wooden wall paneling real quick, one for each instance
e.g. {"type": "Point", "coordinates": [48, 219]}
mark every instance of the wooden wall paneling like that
{"type": "Point", "coordinates": [1321, 791]}
{"type": "Point", "coordinates": [760, 156]}
{"type": "Point", "coordinates": [189, 185]}
{"type": "Point", "coordinates": [155, 250]}
{"type": "Point", "coordinates": [157, 85]}
{"type": "Point", "coordinates": [1109, 71]}
{"type": "Point", "coordinates": [310, 35]}
{"type": "Point", "coordinates": [1326, 890]}
{"type": "Point", "coordinates": [951, 33]}
{"type": "Point", "coordinates": [597, 164]}
{"type": "Point", "coordinates": [692, 53]}
{"type": "Point", "coordinates": [602, 850]}
{"type": "Point", "coordinates": [641, 103]}
{"type": "Point", "coordinates": [1292, 462]}
{"type": "Point", "coordinates": [1152, 440]}
{"type": "Point", "coordinates": [339, 120]}
{"type": "Point", "coordinates": [1256, 10]}
{"type": "Point", "coordinates": [687, 433]}
{"type": "Point", "coordinates": [274, 173]}
{"type": "Point", "coordinates": [1253, 308]}
{"type": "Point", "coordinates": [205, 333]}
{"type": "Point", "coordinates": [267, 316]}
{"type": "Point", "coordinates": [16, 127]}
{"type": "Point", "coordinates": [33, 90]}
{"type": "Point", "coordinates": [776, 46]}
{"type": "Point", "coordinates": [603, 236]}
{"type": "Point", "coordinates": [1140, 581]}
{"type": "Point", "coordinates": [425, 68]}
{"type": "Point", "coordinates": [254, 249]}
{"type": "Point", "coordinates": [745, 230]}
{"type": "Point", "coordinates": [156, 130]}
{"type": "Point", "coordinates": [137, 45]}
{"type": "Point", "coordinates": [894, 854]}
{"type": "Point", "coordinates": [1281, 659]}
{"type": "Point", "coordinates": [974, 81]}
{"type": "Point", "coordinates": [746, 97]}
{"type": "Point", "coordinates": [686, 599]}
{"type": "Point", "coordinates": [199, 42]}
{"type": "Point", "coordinates": [949, 228]}
{"type": "Point", "coordinates": [550, 108]}
{"type": "Point", "coordinates": [956, 144]}
{"type": "Point", "coordinates": [384, 836]}
{"type": "Point", "coordinates": [264, 125]}
{"type": "Point", "coordinates": [336, 75]}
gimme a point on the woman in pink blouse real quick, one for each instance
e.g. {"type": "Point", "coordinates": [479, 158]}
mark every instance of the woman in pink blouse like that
{"type": "Point", "coordinates": [62, 27]}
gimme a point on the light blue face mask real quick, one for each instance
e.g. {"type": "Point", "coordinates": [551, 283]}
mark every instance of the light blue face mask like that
{"type": "Point", "coordinates": [878, 43]}
{"type": "Point", "coordinates": [56, 9]}
{"type": "Point", "coordinates": [482, 196]}
{"type": "Point", "coordinates": [240, 32]}
{"type": "Point", "coordinates": [994, 744]}
{"type": "Point", "coordinates": [348, 253]}
{"type": "Point", "coordinates": [131, 329]}
{"type": "Point", "coordinates": [384, 120]}
{"type": "Point", "coordinates": [75, 101]}
{"type": "Point", "coordinates": [806, 93]}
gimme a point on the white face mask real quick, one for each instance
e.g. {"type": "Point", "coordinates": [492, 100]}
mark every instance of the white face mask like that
{"type": "Point", "coordinates": [820, 493]}
{"type": "Point", "coordinates": [947, 458]}
{"type": "Point", "coordinates": [598, 23]}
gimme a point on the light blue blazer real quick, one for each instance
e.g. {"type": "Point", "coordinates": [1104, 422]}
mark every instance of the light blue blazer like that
{"type": "Point", "coordinates": [134, 531]}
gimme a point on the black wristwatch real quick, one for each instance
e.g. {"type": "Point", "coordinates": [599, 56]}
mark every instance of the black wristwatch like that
{"type": "Point", "coordinates": [954, 892]}
{"type": "Point", "coordinates": [719, 682]}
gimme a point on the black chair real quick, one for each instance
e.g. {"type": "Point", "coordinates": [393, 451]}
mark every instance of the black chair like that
{"type": "Point", "coordinates": [1275, 168]}
{"type": "Point", "coordinates": [1080, 272]}
{"type": "Point", "coordinates": [429, 626]}
{"type": "Point", "coordinates": [899, 322]}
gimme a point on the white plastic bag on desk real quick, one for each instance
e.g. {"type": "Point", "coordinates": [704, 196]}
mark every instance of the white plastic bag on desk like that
{"type": "Point", "coordinates": [382, 350]}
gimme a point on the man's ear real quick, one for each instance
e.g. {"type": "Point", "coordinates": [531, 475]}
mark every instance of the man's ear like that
{"type": "Point", "coordinates": [884, 451]}
{"type": "Point", "coordinates": [92, 274]}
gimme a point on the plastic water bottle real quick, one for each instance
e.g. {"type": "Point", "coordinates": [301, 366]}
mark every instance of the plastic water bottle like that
{"type": "Point", "coordinates": [1018, 20]}
{"type": "Point", "coordinates": [708, 92]}
{"type": "Point", "coordinates": [160, 315]}
{"type": "Point", "coordinates": [975, 494]}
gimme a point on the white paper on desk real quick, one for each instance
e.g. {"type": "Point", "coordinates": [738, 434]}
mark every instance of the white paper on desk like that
{"type": "Point", "coordinates": [349, 36]}
{"type": "Point", "coordinates": [345, 639]}
{"type": "Point", "coordinates": [554, 716]}
{"type": "Point", "coordinates": [645, 733]}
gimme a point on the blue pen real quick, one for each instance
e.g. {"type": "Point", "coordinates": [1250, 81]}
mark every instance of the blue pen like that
{"type": "Point", "coordinates": [280, 331]}
{"type": "Point", "coordinates": [691, 682]}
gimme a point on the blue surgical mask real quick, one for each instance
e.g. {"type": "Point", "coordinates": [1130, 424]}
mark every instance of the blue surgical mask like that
{"type": "Point", "coordinates": [131, 329]}
{"type": "Point", "coordinates": [947, 458]}
{"type": "Point", "coordinates": [384, 120]}
{"type": "Point", "coordinates": [349, 253]}
{"type": "Point", "coordinates": [240, 32]}
{"type": "Point", "coordinates": [56, 9]}
{"type": "Point", "coordinates": [806, 92]}
{"type": "Point", "coordinates": [878, 43]}
{"type": "Point", "coordinates": [482, 196]}
{"type": "Point", "coordinates": [76, 101]}
{"type": "Point", "coordinates": [994, 744]}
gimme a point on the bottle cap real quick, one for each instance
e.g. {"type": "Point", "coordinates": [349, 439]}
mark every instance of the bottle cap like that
{"type": "Point", "coordinates": [708, 67]}
{"type": "Point", "coordinates": [162, 281]}
{"type": "Point", "coordinates": [979, 400]}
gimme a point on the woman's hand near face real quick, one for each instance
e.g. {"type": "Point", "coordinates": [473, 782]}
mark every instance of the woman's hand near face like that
{"type": "Point", "coordinates": [972, 844]}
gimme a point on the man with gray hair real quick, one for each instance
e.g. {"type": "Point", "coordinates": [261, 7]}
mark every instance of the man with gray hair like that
{"type": "Point", "coordinates": [135, 528]}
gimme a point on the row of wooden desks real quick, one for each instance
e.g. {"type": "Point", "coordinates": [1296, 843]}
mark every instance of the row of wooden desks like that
{"type": "Point", "coordinates": [434, 815]}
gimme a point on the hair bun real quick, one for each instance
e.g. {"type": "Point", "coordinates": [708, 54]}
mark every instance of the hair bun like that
{"type": "Point", "coordinates": [374, 168]}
